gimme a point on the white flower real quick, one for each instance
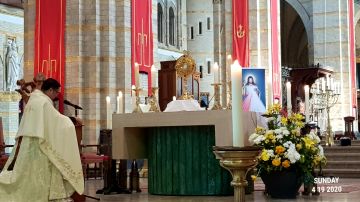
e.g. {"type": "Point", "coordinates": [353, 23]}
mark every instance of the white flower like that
{"type": "Point", "coordinates": [270, 119]}
{"type": "Point", "coordinates": [313, 137]}
{"type": "Point", "coordinates": [259, 139]}
{"type": "Point", "coordinates": [253, 137]}
{"type": "Point", "coordinates": [279, 137]}
{"type": "Point", "coordinates": [277, 131]}
{"type": "Point", "coordinates": [270, 152]}
{"type": "Point", "coordinates": [286, 132]}
{"type": "Point", "coordinates": [289, 144]}
{"type": "Point", "coordinates": [292, 154]}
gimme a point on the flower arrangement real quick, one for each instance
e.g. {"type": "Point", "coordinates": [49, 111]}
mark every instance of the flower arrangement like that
{"type": "Point", "coordinates": [284, 147]}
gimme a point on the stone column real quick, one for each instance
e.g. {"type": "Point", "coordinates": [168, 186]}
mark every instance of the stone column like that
{"type": "Point", "coordinates": [9, 112]}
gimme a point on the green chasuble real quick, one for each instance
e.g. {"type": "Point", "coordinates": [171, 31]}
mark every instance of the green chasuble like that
{"type": "Point", "coordinates": [48, 166]}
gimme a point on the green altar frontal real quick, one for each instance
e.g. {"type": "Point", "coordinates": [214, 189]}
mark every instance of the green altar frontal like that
{"type": "Point", "coordinates": [181, 162]}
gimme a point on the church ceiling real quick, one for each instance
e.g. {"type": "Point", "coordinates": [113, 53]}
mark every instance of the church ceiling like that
{"type": "Point", "coordinates": [14, 3]}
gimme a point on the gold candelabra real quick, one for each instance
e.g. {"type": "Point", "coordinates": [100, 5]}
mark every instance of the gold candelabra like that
{"type": "Point", "coordinates": [229, 105]}
{"type": "Point", "coordinates": [137, 108]}
{"type": "Point", "coordinates": [217, 103]}
{"type": "Point", "coordinates": [326, 100]}
{"type": "Point", "coordinates": [154, 105]}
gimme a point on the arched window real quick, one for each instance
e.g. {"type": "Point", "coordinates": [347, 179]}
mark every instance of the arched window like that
{"type": "Point", "coordinates": [171, 27]}
{"type": "Point", "coordinates": [160, 23]}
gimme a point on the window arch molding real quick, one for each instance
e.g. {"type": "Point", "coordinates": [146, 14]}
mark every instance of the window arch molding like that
{"type": "Point", "coordinates": [172, 24]}
{"type": "Point", "coordinates": [161, 21]}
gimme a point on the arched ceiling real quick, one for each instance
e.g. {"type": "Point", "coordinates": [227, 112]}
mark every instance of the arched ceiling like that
{"type": "Point", "coordinates": [294, 41]}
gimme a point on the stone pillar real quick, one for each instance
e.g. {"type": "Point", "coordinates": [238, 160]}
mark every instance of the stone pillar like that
{"type": "Point", "coordinates": [9, 111]}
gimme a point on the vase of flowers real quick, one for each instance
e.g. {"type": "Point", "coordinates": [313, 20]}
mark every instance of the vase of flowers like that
{"type": "Point", "coordinates": [288, 158]}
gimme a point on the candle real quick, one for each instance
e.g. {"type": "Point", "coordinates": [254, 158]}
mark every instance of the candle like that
{"type": "Point", "coordinates": [307, 110]}
{"type": "Point", "coordinates": [136, 70]}
{"type": "Point", "coordinates": [174, 98]}
{"type": "Point", "coordinates": [108, 113]}
{"type": "Point", "coordinates": [228, 67]}
{"type": "Point", "coordinates": [332, 87]}
{"type": "Point", "coordinates": [133, 96]}
{"type": "Point", "coordinates": [216, 72]}
{"type": "Point", "coordinates": [327, 82]}
{"type": "Point", "coordinates": [323, 84]}
{"type": "Point", "coordinates": [288, 96]}
{"type": "Point", "coordinates": [317, 86]}
{"type": "Point", "coordinates": [119, 100]}
{"type": "Point", "coordinates": [236, 84]}
{"type": "Point", "coordinates": [153, 80]}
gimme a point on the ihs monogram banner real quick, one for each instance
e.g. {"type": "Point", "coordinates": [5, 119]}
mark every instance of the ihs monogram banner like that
{"type": "Point", "coordinates": [240, 10]}
{"type": "Point", "coordinates": [49, 42]}
{"type": "Point", "coordinates": [141, 38]}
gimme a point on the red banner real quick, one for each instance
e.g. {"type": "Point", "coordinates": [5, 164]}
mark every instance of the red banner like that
{"type": "Point", "coordinates": [275, 50]}
{"type": "Point", "coordinates": [352, 53]}
{"type": "Point", "coordinates": [142, 38]}
{"type": "Point", "coordinates": [49, 42]}
{"type": "Point", "coordinates": [240, 10]}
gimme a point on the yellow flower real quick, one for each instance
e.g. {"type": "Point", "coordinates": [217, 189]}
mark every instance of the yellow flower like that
{"type": "Point", "coordinates": [259, 130]}
{"type": "Point", "coordinates": [308, 142]}
{"type": "Point", "coordinates": [286, 163]}
{"type": "Point", "coordinates": [273, 141]}
{"type": "Point", "coordinates": [279, 149]}
{"type": "Point", "coordinates": [283, 120]}
{"type": "Point", "coordinates": [253, 177]}
{"type": "Point", "coordinates": [276, 162]}
{"type": "Point", "coordinates": [298, 146]}
{"type": "Point", "coordinates": [264, 155]}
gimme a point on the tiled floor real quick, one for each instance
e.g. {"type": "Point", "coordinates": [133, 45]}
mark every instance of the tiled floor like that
{"type": "Point", "coordinates": [258, 196]}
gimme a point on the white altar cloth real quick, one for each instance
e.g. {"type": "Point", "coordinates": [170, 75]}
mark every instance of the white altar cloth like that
{"type": "Point", "coordinates": [183, 105]}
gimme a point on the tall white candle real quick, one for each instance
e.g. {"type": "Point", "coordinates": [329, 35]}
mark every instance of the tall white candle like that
{"type": "Point", "coordinates": [317, 86]}
{"type": "Point", "coordinates": [119, 100]}
{"type": "Point", "coordinates": [153, 79]}
{"type": "Point", "coordinates": [228, 67]}
{"type": "Point", "coordinates": [136, 70]}
{"type": "Point", "coordinates": [332, 87]}
{"type": "Point", "coordinates": [216, 72]}
{"type": "Point", "coordinates": [108, 113]}
{"type": "Point", "coordinates": [323, 84]}
{"type": "Point", "coordinates": [133, 96]}
{"type": "Point", "coordinates": [327, 82]}
{"type": "Point", "coordinates": [288, 97]}
{"type": "Point", "coordinates": [236, 87]}
{"type": "Point", "coordinates": [307, 104]}
{"type": "Point", "coordinates": [174, 98]}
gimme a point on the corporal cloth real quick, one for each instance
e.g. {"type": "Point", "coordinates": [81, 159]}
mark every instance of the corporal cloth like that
{"type": "Point", "coordinates": [48, 166]}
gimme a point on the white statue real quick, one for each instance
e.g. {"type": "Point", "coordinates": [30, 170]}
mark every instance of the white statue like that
{"type": "Point", "coordinates": [12, 66]}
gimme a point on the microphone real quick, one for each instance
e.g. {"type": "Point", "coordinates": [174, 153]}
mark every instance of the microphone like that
{"type": "Point", "coordinates": [73, 105]}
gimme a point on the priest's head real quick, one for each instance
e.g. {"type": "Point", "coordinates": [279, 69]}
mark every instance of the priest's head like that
{"type": "Point", "coordinates": [51, 88]}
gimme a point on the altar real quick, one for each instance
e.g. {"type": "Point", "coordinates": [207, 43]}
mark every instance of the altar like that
{"type": "Point", "coordinates": [178, 146]}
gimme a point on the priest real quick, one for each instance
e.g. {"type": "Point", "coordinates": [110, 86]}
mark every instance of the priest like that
{"type": "Point", "coordinates": [46, 165]}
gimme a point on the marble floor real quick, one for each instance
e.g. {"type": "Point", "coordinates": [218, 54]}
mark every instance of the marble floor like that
{"type": "Point", "coordinates": [352, 186]}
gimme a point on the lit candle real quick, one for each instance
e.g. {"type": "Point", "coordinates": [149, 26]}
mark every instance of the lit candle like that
{"type": "Point", "coordinates": [136, 70]}
{"type": "Point", "coordinates": [307, 110]}
{"type": "Point", "coordinates": [228, 67]}
{"type": "Point", "coordinates": [153, 80]}
{"type": "Point", "coordinates": [119, 100]}
{"type": "Point", "coordinates": [108, 113]}
{"type": "Point", "coordinates": [288, 96]}
{"type": "Point", "coordinates": [174, 98]}
{"type": "Point", "coordinates": [216, 72]}
{"type": "Point", "coordinates": [236, 84]}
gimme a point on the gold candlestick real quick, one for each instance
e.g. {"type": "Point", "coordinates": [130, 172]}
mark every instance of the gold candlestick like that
{"type": "Point", "coordinates": [217, 103]}
{"type": "Point", "coordinates": [229, 105]}
{"type": "Point", "coordinates": [137, 108]}
{"type": "Point", "coordinates": [154, 105]}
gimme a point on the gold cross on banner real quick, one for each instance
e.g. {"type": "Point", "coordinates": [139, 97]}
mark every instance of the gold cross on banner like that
{"type": "Point", "coordinates": [142, 41]}
{"type": "Point", "coordinates": [49, 64]}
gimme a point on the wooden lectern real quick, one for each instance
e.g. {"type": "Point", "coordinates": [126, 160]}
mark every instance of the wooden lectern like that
{"type": "Point", "coordinates": [349, 127]}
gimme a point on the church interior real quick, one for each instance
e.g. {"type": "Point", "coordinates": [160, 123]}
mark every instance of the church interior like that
{"type": "Point", "coordinates": [184, 100]}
